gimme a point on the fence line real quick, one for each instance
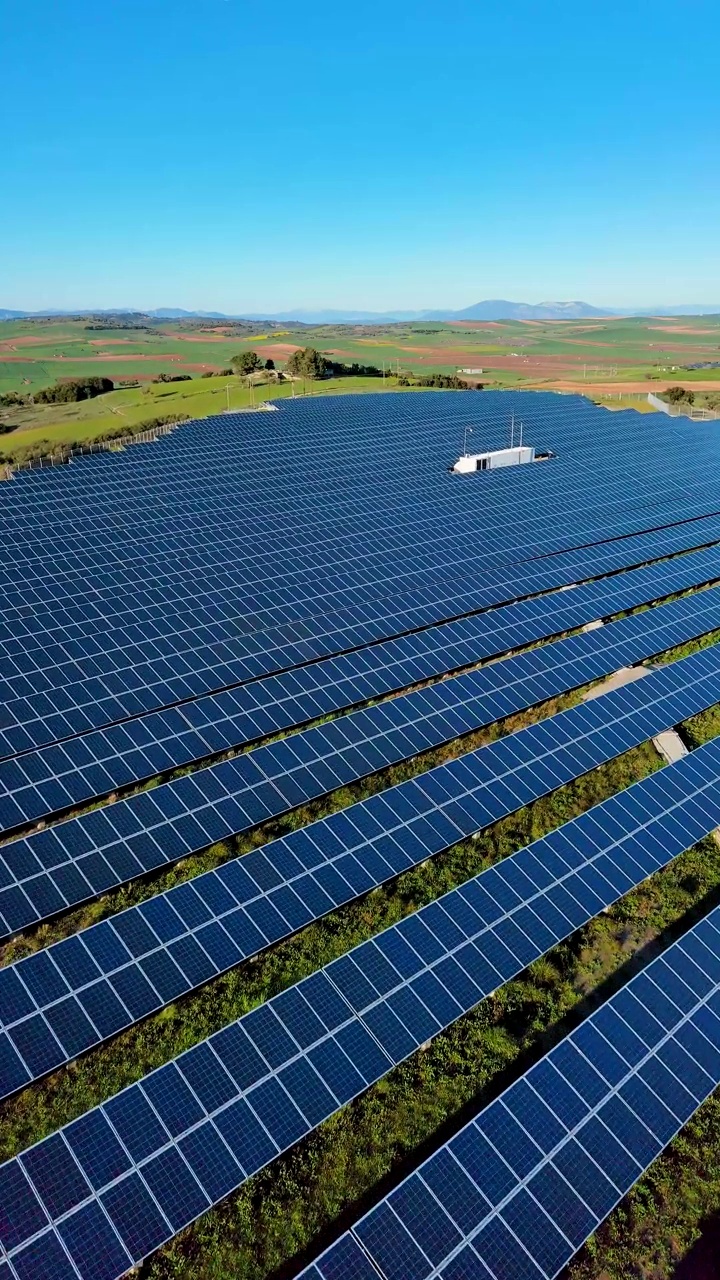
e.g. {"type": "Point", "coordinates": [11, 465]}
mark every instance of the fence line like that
{"type": "Point", "coordinates": [8, 469]}
{"type": "Point", "coordinates": [681, 410]}
{"type": "Point", "coordinates": [662, 406]}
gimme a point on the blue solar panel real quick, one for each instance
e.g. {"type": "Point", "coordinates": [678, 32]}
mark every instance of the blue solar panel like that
{"type": "Point", "coordinates": [176, 941]}
{"type": "Point", "coordinates": [119, 755]}
{"type": "Point", "coordinates": [256, 1087]}
{"type": "Point", "coordinates": [152, 643]}
{"type": "Point", "coordinates": [526, 1181]}
{"type": "Point", "coordinates": [84, 856]}
{"type": "Point", "coordinates": [158, 626]}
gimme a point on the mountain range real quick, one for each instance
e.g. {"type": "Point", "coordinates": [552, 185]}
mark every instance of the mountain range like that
{"type": "Point", "coordinates": [490, 309]}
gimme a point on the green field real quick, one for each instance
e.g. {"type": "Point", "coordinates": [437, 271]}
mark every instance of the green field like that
{"type": "Point", "coordinates": [616, 361]}
{"type": "Point", "coordinates": [80, 423]}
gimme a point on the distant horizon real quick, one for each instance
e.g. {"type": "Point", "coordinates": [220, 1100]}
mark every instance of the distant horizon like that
{"type": "Point", "coordinates": [640, 310]}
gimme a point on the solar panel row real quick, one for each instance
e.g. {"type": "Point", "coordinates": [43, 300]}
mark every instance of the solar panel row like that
{"type": "Point", "coordinates": [468, 498]}
{"type": "Point", "coordinates": [438, 543]}
{"type": "Point", "coordinates": [522, 1186]}
{"type": "Point", "coordinates": [109, 1188]}
{"type": "Point", "coordinates": [208, 624]}
{"type": "Point", "coordinates": [360, 500]}
{"type": "Point", "coordinates": [62, 865]}
{"type": "Point", "coordinates": [586, 442]}
{"type": "Point", "coordinates": [356, 442]}
{"type": "Point", "coordinates": [304, 430]}
{"type": "Point", "coordinates": [322, 539]}
{"type": "Point", "coordinates": [30, 723]}
{"type": "Point", "coordinates": [165, 477]}
{"type": "Point", "coordinates": [62, 1001]}
{"type": "Point", "coordinates": [65, 775]}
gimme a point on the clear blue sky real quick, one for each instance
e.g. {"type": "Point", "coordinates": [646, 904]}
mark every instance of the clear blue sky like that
{"type": "Point", "coordinates": [230, 156]}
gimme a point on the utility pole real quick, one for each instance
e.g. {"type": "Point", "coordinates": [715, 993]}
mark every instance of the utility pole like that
{"type": "Point", "coordinates": [227, 389]}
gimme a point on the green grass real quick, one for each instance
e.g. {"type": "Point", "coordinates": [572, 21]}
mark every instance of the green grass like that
{"type": "Point", "coordinates": [82, 422]}
{"type": "Point", "coordinates": [619, 401]}
{"type": "Point", "coordinates": [66, 348]}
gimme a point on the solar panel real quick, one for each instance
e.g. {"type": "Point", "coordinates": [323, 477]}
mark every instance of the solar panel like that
{"type": "Point", "coordinates": [155, 1156]}
{"type": "Point", "coordinates": [355, 439]}
{"type": "Point", "coordinates": [521, 1187]}
{"type": "Point", "coordinates": [89, 987]}
{"type": "Point", "coordinates": [454, 499]}
{"type": "Point", "coordinates": [127, 753]}
{"type": "Point", "coordinates": [68, 863]}
{"type": "Point", "coordinates": [230, 479]}
{"type": "Point", "coordinates": [361, 446]}
{"type": "Point", "coordinates": [380, 556]}
{"type": "Point", "coordinates": [231, 655]}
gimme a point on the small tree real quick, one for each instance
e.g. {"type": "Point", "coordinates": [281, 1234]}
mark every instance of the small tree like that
{"type": "Point", "coordinates": [246, 362]}
{"type": "Point", "coordinates": [679, 395]}
{"type": "Point", "coordinates": [307, 363]}
{"type": "Point", "coordinates": [269, 364]}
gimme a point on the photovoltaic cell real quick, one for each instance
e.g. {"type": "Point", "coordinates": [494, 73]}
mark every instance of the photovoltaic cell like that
{"type": "Point", "coordinates": [288, 1089]}
{"type": "Point", "coordinates": [60, 867]}
{"type": "Point", "coordinates": [567, 1160]}
{"type": "Point", "coordinates": [175, 942]}
{"type": "Point", "coordinates": [116, 756]}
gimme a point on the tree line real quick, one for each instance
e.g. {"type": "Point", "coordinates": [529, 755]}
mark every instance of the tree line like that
{"type": "Point", "coordinates": [65, 392]}
{"type": "Point", "coordinates": [309, 363]}
{"type": "Point", "coordinates": [306, 362]}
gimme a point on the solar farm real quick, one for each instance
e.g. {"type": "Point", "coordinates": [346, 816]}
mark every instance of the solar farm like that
{"type": "Point", "coordinates": [281, 689]}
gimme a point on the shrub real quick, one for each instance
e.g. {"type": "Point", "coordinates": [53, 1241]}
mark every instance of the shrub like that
{"type": "Point", "coordinates": [74, 389]}
{"type": "Point", "coordinates": [679, 395]}
{"type": "Point", "coordinates": [308, 363]}
{"type": "Point", "coordinates": [246, 362]}
{"type": "Point", "coordinates": [446, 381]}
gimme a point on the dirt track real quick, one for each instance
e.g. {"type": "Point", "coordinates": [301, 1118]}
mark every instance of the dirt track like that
{"type": "Point", "coordinates": [624, 388]}
{"type": "Point", "coordinates": [205, 336]}
{"type": "Point", "coordinates": [11, 343]}
{"type": "Point", "coordinates": [277, 350]}
{"type": "Point", "coordinates": [680, 328]}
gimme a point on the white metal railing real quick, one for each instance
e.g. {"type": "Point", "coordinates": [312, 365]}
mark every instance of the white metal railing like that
{"type": "Point", "coordinates": [696, 413]}
{"type": "Point", "coordinates": [65, 454]}
{"type": "Point", "coordinates": [662, 406]}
